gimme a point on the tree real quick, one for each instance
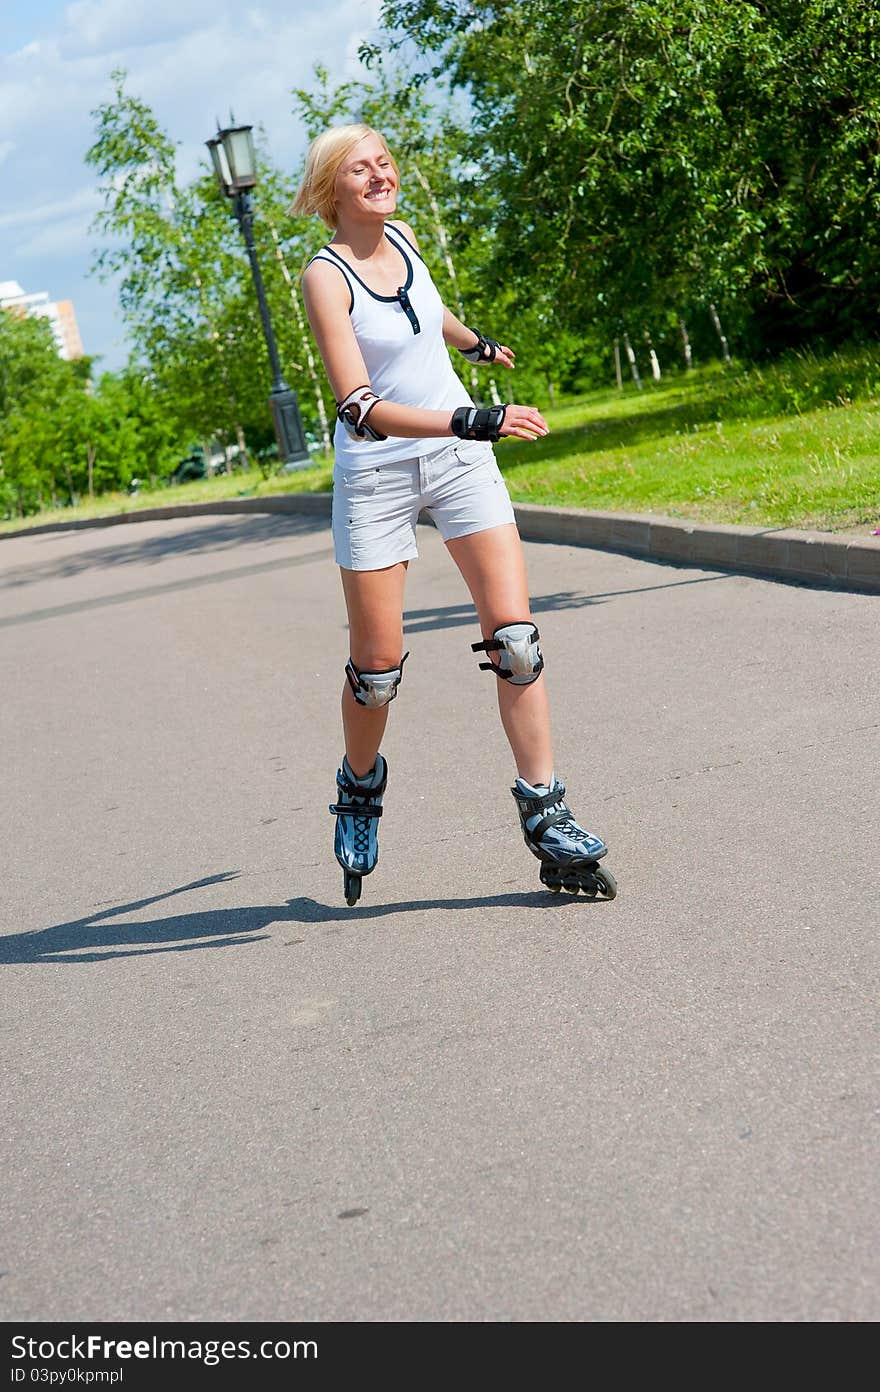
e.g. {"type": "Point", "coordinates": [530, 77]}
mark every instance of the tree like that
{"type": "Point", "coordinates": [425, 124]}
{"type": "Point", "coordinates": [185, 282]}
{"type": "Point", "coordinates": [177, 269]}
{"type": "Point", "coordinates": [636, 157]}
{"type": "Point", "coordinates": [39, 396]}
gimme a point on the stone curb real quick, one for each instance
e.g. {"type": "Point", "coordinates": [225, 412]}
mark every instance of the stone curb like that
{"type": "Point", "coordinates": [817, 558]}
{"type": "Point", "coordinates": [813, 558]}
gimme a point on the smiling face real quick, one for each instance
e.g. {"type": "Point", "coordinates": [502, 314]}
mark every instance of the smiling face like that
{"type": "Point", "coordinates": [367, 184]}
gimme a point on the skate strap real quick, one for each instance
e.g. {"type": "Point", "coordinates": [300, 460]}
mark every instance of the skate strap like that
{"type": "Point", "coordinates": [353, 809]}
{"type": "Point", "coordinates": [537, 804]}
{"type": "Point", "coordinates": [537, 831]}
{"type": "Point", "coordinates": [498, 645]}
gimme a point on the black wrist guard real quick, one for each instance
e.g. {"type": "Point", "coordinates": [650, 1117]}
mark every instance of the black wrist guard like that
{"type": "Point", "coordinates": [485, 350]}
{"type": "Point", "coordinates": [478, 423]}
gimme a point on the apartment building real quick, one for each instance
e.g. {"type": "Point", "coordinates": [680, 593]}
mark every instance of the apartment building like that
{"type": "Point", "coordinates": [59, 313]}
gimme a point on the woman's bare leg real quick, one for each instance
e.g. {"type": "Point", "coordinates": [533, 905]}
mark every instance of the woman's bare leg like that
{"type": "Point", "coordinates": [494, 570]}
{"type": "Point", "coordinates": [493, 567]}
{"type": "Point", "coordinates": [374, 600]}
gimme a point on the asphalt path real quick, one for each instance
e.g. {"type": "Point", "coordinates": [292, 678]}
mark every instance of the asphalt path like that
{"type": "Point", "coordinates": [229, 1097]}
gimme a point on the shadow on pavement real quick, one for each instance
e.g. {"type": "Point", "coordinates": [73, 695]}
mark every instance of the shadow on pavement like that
{"type": "Point", "coordinates": [67, 942]}
{"type": "Point", "coordinates": [189, 582]}
{"type": "Point", "coordinates": [223, 535]}
{"type": "Point", "coordinates": [455, 615]}
{"type": "Point", "coordinates": [64, 941]}
{"type": "Point", "coordinates": [311, 911]}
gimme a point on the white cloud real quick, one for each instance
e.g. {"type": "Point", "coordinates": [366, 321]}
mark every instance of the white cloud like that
{"type": "Point", "coordinates": [54, 240]}
{"type": "Point", "coordinates": [104, 26]}
{"type": "Point", "coordinates": [191, 61]}
{"type": "Point", "coordinates": [83, 200]}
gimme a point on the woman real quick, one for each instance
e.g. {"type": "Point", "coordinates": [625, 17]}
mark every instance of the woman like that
{"type": "Point", "coordinates": [409, 437]}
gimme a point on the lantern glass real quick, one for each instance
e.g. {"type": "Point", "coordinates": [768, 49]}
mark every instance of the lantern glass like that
{"type": "Point", "coordinates": [221, 164]}
{"type": "Point", "coordinates": [239, 146]}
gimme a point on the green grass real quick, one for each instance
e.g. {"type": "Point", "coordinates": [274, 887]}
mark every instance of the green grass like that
{"type": "Point", "coordinates": [794, 444]}
{"type": "Point", "coordinates": [248, 484]}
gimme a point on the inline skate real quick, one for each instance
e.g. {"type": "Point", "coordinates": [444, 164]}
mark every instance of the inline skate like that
{"type": "Point", "coordinates": [569, 855]}
{"type": "Point", "coordinates": [357, 810]}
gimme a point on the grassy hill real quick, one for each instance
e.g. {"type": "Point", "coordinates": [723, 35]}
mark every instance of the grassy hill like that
{"type": "Point", "coordinates": [794, 444]}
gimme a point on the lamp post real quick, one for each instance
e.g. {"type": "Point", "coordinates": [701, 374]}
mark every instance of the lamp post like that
{"type": "Point", "coordinates": [234, 160]}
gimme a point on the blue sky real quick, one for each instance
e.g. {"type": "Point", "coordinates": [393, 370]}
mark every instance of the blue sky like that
{"type": "Point", "coordinates": [190, 60]}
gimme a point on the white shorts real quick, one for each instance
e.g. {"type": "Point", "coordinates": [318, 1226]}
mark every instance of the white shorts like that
{"type": "Point", "coordinates": [375, 511]}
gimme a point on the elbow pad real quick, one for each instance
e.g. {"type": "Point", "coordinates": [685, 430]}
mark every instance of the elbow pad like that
{"type": "Point", "coordinates": [354, 414]}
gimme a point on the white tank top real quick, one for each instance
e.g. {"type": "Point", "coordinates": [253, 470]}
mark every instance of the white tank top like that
{"type": "Point", "coordinates": [401, 339]}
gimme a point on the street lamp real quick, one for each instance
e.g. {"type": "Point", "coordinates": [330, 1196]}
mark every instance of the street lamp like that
{"type": "Point", "coordinates": [232, 153]}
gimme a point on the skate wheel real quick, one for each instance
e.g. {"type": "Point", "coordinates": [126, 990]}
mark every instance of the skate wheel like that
{"type": "Point", "coordinates": [352, 888]}
{"type": "Point", "coordinates": [570, 886]}
{"type": "Point", "coordinates": [551, 878]}
{"type": "Point", "coordinates": [607, 883]}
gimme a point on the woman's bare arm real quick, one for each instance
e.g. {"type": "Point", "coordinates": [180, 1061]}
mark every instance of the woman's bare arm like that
{"type": "Point", "coordinates": [327, 301]}
{"type": "Point", "coordinates": [325, 292]}
{"type": "Point", "coordinates": [459, 336]}
{"type": "Point", "coordinates": [455, 333]}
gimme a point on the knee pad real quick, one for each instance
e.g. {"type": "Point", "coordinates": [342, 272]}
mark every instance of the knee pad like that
{"type": "Point", "coordinates": [520, 659]}
{"type": "Point", "coordinates": [374, 688]}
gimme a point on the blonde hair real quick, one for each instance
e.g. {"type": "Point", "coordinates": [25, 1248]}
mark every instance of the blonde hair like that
{"type": "Point", "coordinates": [327, 153]}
